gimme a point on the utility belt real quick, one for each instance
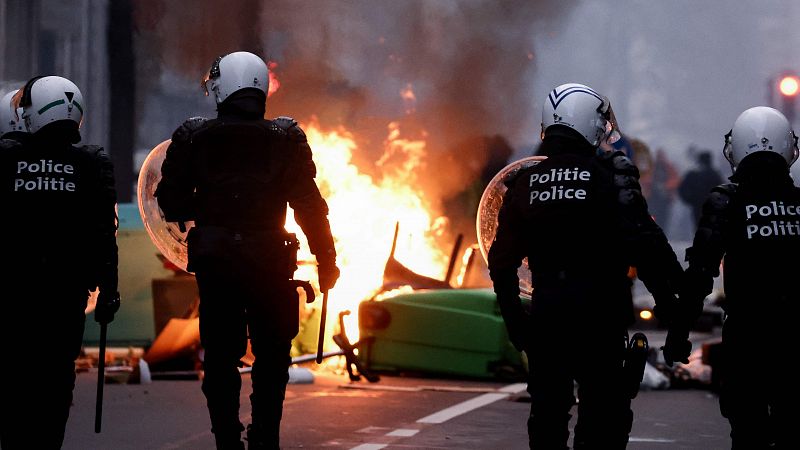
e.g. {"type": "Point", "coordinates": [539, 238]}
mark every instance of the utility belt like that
{"type": "Point", "coordinates": [574, 275]}
{"type": "Point", "coordinates": [274, 246]}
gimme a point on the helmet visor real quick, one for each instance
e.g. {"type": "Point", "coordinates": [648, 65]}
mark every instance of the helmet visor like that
{"type": "Point", "coordinates": [212, 73]}
{"type": "Point", "coordinates": [612, 133]}
{"type": "Point", "coordinates": [16, 103]}
{"type": "Point", "coordinates": [204, 82]}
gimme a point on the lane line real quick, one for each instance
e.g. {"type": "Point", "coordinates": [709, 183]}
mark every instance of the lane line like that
{"type": "Point", "coordinates": [449, 413]}
{"type": "Point", "coordinates": [515, 388]}
{"type": "Point", "coordinates": [462, 408]}
{"type": "Point", "coordinates": [659, 440]}
{"type": "Point", "coordinates": [370, 447]}
{"type": "Point", "coordinates": [472, 404]}
{"type": "Point", "coordinates": [403, 432]}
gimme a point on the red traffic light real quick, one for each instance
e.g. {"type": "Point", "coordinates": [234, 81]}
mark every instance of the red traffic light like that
{"type": "Point", "coordinates": [789, 85]}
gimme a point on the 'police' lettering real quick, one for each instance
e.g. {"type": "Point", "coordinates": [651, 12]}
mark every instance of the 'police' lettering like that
{"type": "Point", "coordinates": [44, 166]}
{"type": "Point", "coordinates": [550, 191]}
{"type": "Point", "coordinates": [558, 193]}
{"type": "Point", "coordinates": [776, 227]}
{"type": "Point", "coordinates": [560, 175]}
{"type": "Point", "coordinates": [46, 176]}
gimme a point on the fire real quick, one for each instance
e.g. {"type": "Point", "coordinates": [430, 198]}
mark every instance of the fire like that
{"type": "Point", "coordinates": [274, 84]}
{"type": "Point", "coordinates": [363, 214]}
{"type": "Point", "coordinates": [409, 98]}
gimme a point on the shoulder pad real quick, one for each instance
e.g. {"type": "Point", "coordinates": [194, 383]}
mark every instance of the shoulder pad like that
{"type": "Point", "coordinates": [720, 196]}
{"type": "Point", "coordinates": [184, 132]}
{"type": "Point", "coordinates": [511, 179]}
{"type": "Point", "coordinates": [727, 188]}
{"type": "Point", "coordinates": [290, 128]}
{"type": "Point", "coordinates": [620, 164]}
{"type": "Point", "coordinates": [95, 151]}
{"type": "Point", "coordinates": [285, 122]}
{"type": "Point", "coordinates": [8, 144]}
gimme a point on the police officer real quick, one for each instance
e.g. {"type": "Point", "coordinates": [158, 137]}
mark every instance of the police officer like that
{"type": "Point", "coordinates": [580, 219]}
{"type": "Point", "coordinates": [754, 223]}
{"type": "Point", "coordinates": [11, 124]}
{"type": "Point", "coordinates": [59, 236]}
{"type": "Point", "coordinates": [234, 176]}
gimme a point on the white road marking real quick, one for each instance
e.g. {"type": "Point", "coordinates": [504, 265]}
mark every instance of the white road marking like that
{"type": "Point", "coordinates": [450, 412]}
{"type": "Point", "coordinates": [403, 432]}
{"type": "Point", "coordinates": [471, 404]}
{"type": "Point", "coordinates": [463, 407]}
{"type": "Point", "coordinates": [665, 441]}
{"type": "Point", "coordinates": [370, 447]}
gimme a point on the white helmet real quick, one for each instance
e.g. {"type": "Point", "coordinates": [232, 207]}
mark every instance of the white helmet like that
{"type": "Point", "coordinates": [50, 99]}
{"type": "Point", "coordinates": [10, 117]}
{"type": "Point", "coordinates": [236, 71]}
{"type": "Point", "coordinates": [584, 110]}
{"type": "Point", "coordinates": [760, 129]}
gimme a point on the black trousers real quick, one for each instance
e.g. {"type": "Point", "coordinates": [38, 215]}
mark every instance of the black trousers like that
{"type": "Point", "coordinates": [241, 296]}
{"type": "Point", "coordinates": [757, 392]}
{"type": "Point", "coordinates": [577, 337]}
{"type": "Point", "coordinates": [41, 334]}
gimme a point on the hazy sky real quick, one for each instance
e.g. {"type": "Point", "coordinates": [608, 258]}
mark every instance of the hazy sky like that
{"type": "Point", "coordinates": [678, 72]}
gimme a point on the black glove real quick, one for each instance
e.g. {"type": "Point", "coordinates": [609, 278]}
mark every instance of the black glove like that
{"type": "Point", "coordinates": [327, 273]}
{"type": "Point", "coordinates": [516, 320]}
{"type": "Point", "coordinates": [677, 347]}
{"type": "Point", "coordinates": [107, 305]}
{"type": "Point", "coordinates": [695, 286]}
{"type": "Point", "coordinates": [666, 307]}
{"type": "Point", "coordinates": [517, 334]}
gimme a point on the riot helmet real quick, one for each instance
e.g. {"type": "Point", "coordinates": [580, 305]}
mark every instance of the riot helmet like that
{"type": "Point", "coordinates": [233, 72]}
{"type": "Point", "coordinates": [757, 129]}
{"type": "Point", "coordinates": [10, 117]}
{"type": "Point", "coordinates": [581, 108]}
{"type": "Point", "coordinates": [50, 99]}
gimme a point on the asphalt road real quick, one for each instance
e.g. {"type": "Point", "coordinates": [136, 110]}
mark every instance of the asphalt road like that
{"type": "Point", "coordinates": [395, 413]}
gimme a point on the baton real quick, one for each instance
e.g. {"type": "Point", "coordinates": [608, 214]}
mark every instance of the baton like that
{"type": "Point", "coordinates": [322, 326]}
{"type": "Point", "coordinates": [101, 379]}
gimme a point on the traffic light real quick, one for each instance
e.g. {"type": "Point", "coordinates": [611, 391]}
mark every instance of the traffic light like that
{"type": "Point", "coordinates": [788, 86]}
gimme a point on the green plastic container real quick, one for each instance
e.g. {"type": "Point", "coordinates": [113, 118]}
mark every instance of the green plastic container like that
{"type": "Point", "coordinates": [133, 324]}
{"type": "Point", "coordinates": [443, 331]}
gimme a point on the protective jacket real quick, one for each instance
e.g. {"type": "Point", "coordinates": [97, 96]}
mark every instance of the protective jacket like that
{"type": "Point", "coordinates": [581, 216]}
{"type": "Point", "coordinates": [61, 201]}
{"type": "Point", "coordinates": [753, 222]}
{"type": "Point", "coordinates": [239, 172]}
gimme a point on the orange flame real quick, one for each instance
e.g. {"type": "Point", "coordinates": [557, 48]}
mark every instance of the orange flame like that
{"type": "Point", "coordinates": [363, 214]}
{"type": "Point", "coordinates": [409, 99]}
{"type": "Point", "coordinates": [274, 84]}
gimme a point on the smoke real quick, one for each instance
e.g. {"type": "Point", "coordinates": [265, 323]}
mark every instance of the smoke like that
{"type": "Point", "coordinates": [468, 64]}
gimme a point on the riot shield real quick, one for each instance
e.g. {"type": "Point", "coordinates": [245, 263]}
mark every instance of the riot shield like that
{"type": "Point", "coordinates": [167, 236]}
{"type": "Point", "coordinates": [489, 206]}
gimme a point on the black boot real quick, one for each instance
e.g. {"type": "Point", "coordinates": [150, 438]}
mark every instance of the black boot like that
{"type": "Point", "coordinates": [229, 442]}
{"type": "Point", "coordinates": [259, 438]}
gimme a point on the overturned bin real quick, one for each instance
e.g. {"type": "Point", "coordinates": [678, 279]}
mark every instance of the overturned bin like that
{"type": "Point", "coordinates": [456, 332]}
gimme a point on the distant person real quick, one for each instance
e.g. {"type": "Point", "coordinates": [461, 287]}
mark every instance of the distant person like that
{"type": "Point", "coordinates": [59, 233]}
{"type": "Point", "coordinates": [752, 223]}
{"type": "Point", "coordinates": [659, 188]}
{"type": "Point", "coordinates": [580, 219]}
{"type": "Point", "coordinates": [697, 183]}
{"type": "Point", "coordinates": [234, 176]}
